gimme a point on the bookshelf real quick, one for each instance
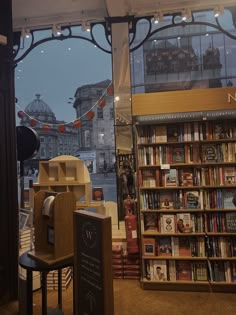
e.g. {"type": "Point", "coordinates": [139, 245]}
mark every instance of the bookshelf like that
{"type": "Point", "coordinates": [186, 172]}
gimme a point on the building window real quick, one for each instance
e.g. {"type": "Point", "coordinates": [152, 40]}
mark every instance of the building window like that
{"type": "Point", "coordinates": [42, 139]}
{"type": "Point", "coordinates": [87, 138]}
{"type": "Point", "coordinates": [112, 113]}
{"type": "Point", "coordinates": [99, 113]}
{"type": "Point", "coordinates": [99, 92]}
{"type": "Point", "coordinates": [101, 137]}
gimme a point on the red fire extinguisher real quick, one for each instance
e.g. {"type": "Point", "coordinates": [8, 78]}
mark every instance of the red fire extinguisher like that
{"type": "Point", "coordinates": [131, 227]}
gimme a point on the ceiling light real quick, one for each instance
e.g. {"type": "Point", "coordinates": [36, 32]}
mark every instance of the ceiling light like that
{"type": "Point", "coordinates": [25, 33]}
{"type": "Point", "coordinates": [184, 15]}
{"type": "Point", "coordinates": [218, 10]}
{"type": "Point", "coordinates": [156, 18]}
{"type": "Point", "coordinates": [88, 27]}
{"type": "Point", "coordinates": [56, 30]}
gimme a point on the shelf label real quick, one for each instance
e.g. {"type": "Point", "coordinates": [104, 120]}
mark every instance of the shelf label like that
{"type": "Point", "coordinates": [165, 166]}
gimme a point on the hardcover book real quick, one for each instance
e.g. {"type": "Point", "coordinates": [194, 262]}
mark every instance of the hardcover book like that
{"type": "Point", "coordinates": [183, 270]}
{"type": "Point", "coordinates": [178, 155]}
{"type": "Point", "coordinates": [229, 175]}
{"type": "Point", "coordinates": [168, 223]}
{"type": "Point", "coordinates": [164, 246]}
{"type": "Point", "coordinates": [228, 197]}
{"type": "Point", "coordinates": [150, 222]}
{"type": "Point", "coordinates": [184, 246]}
{"type": "Point", "coordinates": [209, 153]}
{"type": "Point", "coordinates": [169, 177]}
{"type": "Point", "coordinates": [97, 194]}
{"type": "Point", "coordinates": [166, 200]}
{"type": "Point", "coordinates": [230, 222]}
{"type": "Point", "coordinates": [149, 246]}
{"type": "Point", "coordinates": [159, 270]}
{"type": "Point", "coordinates": [184, 223]}
{"type": "Point", "coordinates": [193, 200]}
{"type": "Point", "coordinates": [172, 133]}
{"type": "Point", "coordinates": [186, 177]}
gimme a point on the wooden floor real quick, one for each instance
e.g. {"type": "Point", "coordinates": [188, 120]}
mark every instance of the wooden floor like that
{"type": "Point", "coordinates": [130, 299]}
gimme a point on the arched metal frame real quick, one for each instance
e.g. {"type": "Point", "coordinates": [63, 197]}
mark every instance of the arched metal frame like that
{"type": "Point", "coordinates": [131, 20]}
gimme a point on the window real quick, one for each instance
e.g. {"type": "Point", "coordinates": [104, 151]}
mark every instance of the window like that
{"type": "Point", "coordinates": [99, 113]}
{"type": "Point", "coordinates": [101, 137]}
{"type": "Point", "coordinates": [111, 113]}
{"type": "Point", "coordinates": [42, 139]}
{"type": "Point", "coordinates": [99, 92]}
{"type": "Point", "coordinates": [87, 138]}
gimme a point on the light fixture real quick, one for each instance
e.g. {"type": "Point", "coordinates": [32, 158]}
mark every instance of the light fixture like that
{"type": "Point", "coordinates": [156, 18]}
{"type": "Point", "coordinates": [218, 10]}
{"type": "Point", "coordinates": [83, 27]}
{"type": "Point", "coordinates": [25, 33]}
{"type": "Point", "coordinates": [56, 30]}
{"type": "Point", "coordinates": [88, 27]}
{"type": "Point", "coordinates": [184, 15]}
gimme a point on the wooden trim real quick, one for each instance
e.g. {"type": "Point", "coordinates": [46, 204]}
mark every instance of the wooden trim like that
{"type": "Point", "coordinates": [184, 101]}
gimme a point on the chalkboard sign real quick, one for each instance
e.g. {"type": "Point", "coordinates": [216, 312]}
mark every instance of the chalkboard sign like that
{"type": "Point", "coordinates": [93, 284]}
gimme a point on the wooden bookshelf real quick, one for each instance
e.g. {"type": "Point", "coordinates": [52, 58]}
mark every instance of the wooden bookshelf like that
{"type": "Point", "coordinates": [186, 174]}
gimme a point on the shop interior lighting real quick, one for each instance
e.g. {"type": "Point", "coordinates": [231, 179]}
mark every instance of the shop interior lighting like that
{"type": "Point", "coordinates": [218, 10]}
{"type": "Point", "coordinates": [25, 33]}
{"type": "Point", "coordinates": [88, 27]}
{"type": "Point", "coordinates": [156, 18]}
{"type": "Point", "coordinates": [56, 29]}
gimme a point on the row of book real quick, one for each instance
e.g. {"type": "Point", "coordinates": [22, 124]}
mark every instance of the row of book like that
{"type": "Point", "coordinates": [222, 198]}
{"type": "Point", "coordinates": [221, 246]}
{"type": "Point", "coordinates": [171, 223]}
{"type": "Point", "coordinates": [221, 222]}
{"type": "Point", "coordinates": [171, 246]}
{"type": "Point", "coordinates": [194, 131]}
{"type": "Point", "coordinates": [183, 270]}
{"type": "Point", "coordinates": [187, 177]}
{"type": "Point", "coordinates": [175, 270]}
{"type": "Point", "coordinates": [171, 199]}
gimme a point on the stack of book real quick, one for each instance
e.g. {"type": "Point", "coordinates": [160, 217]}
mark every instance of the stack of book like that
{"type": "Point", "coordinates": [26, 237]}
{"type": "Point", "coordinates": [52, 279]}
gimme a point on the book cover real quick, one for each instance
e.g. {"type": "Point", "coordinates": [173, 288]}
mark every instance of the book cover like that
{"type": "Point", "coordinates": [178, 155]}
{"type": "Point", "coordinates": [169, 177]}
{"type": "Point", "coordinates": [149, 246]}
{"type": "Point", "coordinates": [173, 133]}
{"type": "Point", "coordinates": [209, 153]}
{"type": "Point", "coordinates": [230, 222]}
{"type": "Point", "coordinates": [166, 200]}
{"type": "Point", "coordinates": [193, 200]}
{"type": "Point", "coordinates": [200, 271]}
{"type": "Point", "coordinates": [183, 270]}
{"type": "Point", "coordinates": [184, 246]}
{"type": "Point", "coordinates": [159, 270]}
{"type": "Point", "coordinates": [229, 175]}
{"type": "Point", "coordinates": [97, 194]}
{"type": "Point", "coordinates": [160, 134]}
{"type": "Point", "coordinates": [186, 177]}
{"type": "Point", "coordinates": [150, 222]}
{"type": "Point", "coordinates": [228, 197]}
{"type": "Point", "coordinates": [164, 246]}
{"type": "Point", "coordinates": [184, 223]}
{"type": "Point", "coordinates": [168, 223]}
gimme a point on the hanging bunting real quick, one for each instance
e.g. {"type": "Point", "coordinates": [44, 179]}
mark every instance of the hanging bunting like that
{"type": "Point", "coordinates": [33, 122]}
{"type": "Point", "coordinates": [46, 128]}
{"type": "Point", "coordinates": [77, 123]}
{"type": "Point", "coordinates": [90, 115]}
{"type": "Point", "coordinates": [61, 128]}
{"type": "Point", "coordinates": [101, 102]}
{"type": "Point", "coordinates": [21, 114]}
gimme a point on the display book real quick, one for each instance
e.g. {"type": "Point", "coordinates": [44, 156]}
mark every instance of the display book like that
{"type": "Point", "coordinates": [187, 188]}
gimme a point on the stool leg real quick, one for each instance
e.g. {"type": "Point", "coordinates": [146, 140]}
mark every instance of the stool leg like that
{"type": "Point", "coordinates": [29, 292]}
{"type": "Point", "coordinates": [44, 293]}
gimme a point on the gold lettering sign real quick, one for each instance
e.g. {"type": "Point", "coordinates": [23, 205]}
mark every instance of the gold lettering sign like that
{"type": "Point", "coordinates": [231, 97]}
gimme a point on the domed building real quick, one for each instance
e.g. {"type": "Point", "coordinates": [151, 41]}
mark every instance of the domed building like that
{"type": "Point", "coordinates": [56, 137]}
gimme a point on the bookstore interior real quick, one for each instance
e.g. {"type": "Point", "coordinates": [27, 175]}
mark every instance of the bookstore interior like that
{"type": "Point", "coordinates": [174, 225]}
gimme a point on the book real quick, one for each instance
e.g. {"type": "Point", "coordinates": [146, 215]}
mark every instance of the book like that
{"type": "Point", "coordinates": [149, 246]}
{"type": "Point", "coordinates": [209, 153]}
{"type": "Point", "coordinates": [230, 222]}
{"type": "Point", "coordinates": [178, 154]}
{"type": "Point", "coordinates": [183, 270]}
{"type": "Point", "coordinates": [186, 177]}
{"type": "Point", "coordinates": [150, 222]}
{"type": "Point", "coordinates": [200, 271]}
{"type": "Point", "coordinates": [166, 200]}
{"type": "Point", "coordinates": [168, 223]}
{"type": "Point", "coordinates": [172, 133]}
{"type": "Point", "coordinates": [228, 198]}
{"type": "Point", "coordinates": [97, 194]}
{"type": "Point", "coordinates": [169, 177]}
{"type": "Point", "coordinates": [164, 246]}
{"type": "Point", "coordinates": [184, 246]}
{"type": "Point", "coordinates": [184, 223]}
{"type": "Point", "coordinates": [159, 270]}
{"type": "Point", "coordinates": [193, 200]}
{"type": "Point", "coordinates": [160, 133]}
{"type": "Point", "coordinates": [229, 175]}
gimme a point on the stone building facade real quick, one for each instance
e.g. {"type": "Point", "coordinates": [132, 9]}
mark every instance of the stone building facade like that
{"type": "Point", "coordinates": [96, 136]}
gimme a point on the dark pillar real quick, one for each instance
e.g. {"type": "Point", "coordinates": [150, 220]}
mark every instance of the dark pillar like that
{"type": "Point", "coordinates": [8, 166]}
